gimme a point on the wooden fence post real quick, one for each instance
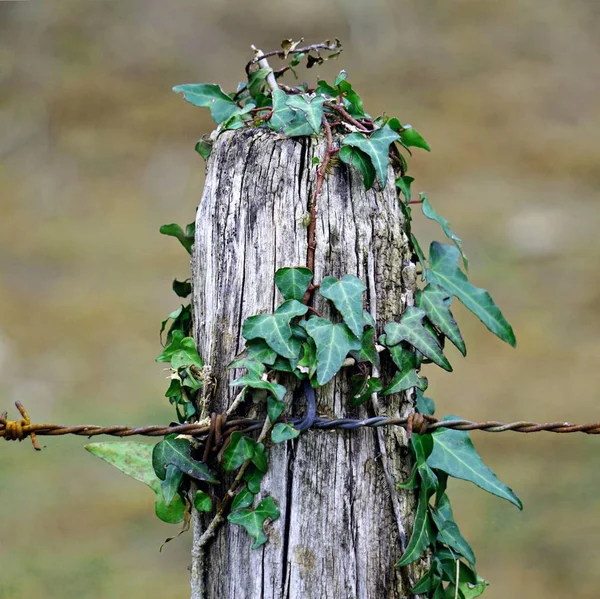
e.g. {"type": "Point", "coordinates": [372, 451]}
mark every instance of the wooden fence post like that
{"type": "Point", "coordinates": [343, 524]}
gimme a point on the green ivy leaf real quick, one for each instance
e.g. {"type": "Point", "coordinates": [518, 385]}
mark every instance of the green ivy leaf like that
{"type": "Point", "coordinates": [364, 387]}
{"type": "Point", "coordinates": [182, 288]}
{"type": "Point", "coordinates": [425, 405]}
{"type": "Point", "coordinates": [258, 350]}
{"type": "Point", "coordinates": [361, 162]}
{"type": "Point", "coordinates": [293, 282]}
{"type": "Point", "coordinates": [253, 476]}
{"type": "Point", "coordinates": [282, 113]}
{"type": "Point", "coordinates": [341, 77]}
{"type": "Point", "coordinates": [448, 531]}
{"type": "Point", "coordinates": [275, 408]}
{"type": "Point", "coordinates": [275, 329]}
{"type": "Point", "coordinates": [239, 449]}
{"type": "Point", "coordinates": [254, 520]}
{"type": "Point", "coordinates": [454, 453]}
{"type": "Point", "coordinates": [333, 342]}
{"type": "Point", "coordinates": [420, 255]}
{"type": "Point", "coordinates": [431, 214]}
{"type": "Point", "coordinates": [257, 85]}
{"type": "Point", "coordinates": [411, 138]}
{"type": "Point", "coordinates": [174, 230]}
{"type": "Point", "coordinates": [176, 452]}
{"type": "Point", "coordinates": [377, 146]}
{"type": "Point", "coordinates": [261, 457]}
{"type": "Point", "coordinates": [428, 583]}
{"type": "Point", "coordinates": [209, 95]}
{"type": "Point", "coordinates": [407, 376]}
{"type": "Point", "coordinates": [204, 147]}
{"type": "Point", "coordinates": [283, 432]}
{"type": "Point", "coordinates": [308, 362]}
{"type": "Point", "coordinates": [403, 184]}
{"type": "Point", "coordinates": [311, 109]}
{"type": "Point", "coordinates": [368, 352]}
{"type": "Point", "coordinates": [436, 303]}
{"type": "Point", "coordinates": [181, 352]}
{"type": "Point", "coordinates": [135, 459]}
{"type": "Point", "coordinates": [444, 272]}
{"type": "Point", "coordinates": [255, 382]}
{"type": "Point", "coordinates": [182, 321]}
{"type": "Point", "coordinates": [243, 499]}
{"type": "Point", "coordinates": [202, 501]}
{"type": "Point", "coordinates": [411, 330]}
{"type": "Point", "coordinates": [346, 295]}
{"type": "Point", "coordinates": [169, 486]}
{"type": "Point", "coordinates": [422, 535]}
{"type": "Point", "coordinates": [352, 101]}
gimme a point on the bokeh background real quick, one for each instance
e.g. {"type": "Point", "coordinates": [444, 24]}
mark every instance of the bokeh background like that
{"type": "Point", "coordinates": [97, 153]}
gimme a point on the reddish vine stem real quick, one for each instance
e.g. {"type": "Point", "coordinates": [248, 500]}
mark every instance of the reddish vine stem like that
{"type": "Point", "coordinates": [343, 112]}
{"type": "Point", "coordinates": [312, 227]}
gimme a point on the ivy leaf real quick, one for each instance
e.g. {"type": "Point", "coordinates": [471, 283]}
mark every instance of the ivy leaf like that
{"type": "Point", "coordinates": [257, 85]}
{"type": "Point", "coordinates": [254, 520]}
{"type": "Point", "coordinates": [181, 352]}
{"type": "Point", "coordinates": [333, 342]}
{"type": "Point", "coordinates": [425, 405]}
{"type": "Point", "coordinates": [204, 147]}
{"type": "Point", "coordinates": [239, 449]}
{"type": "Point", "coordinates": [361, 162]}
{"type": "Point", "coordinates": [254, 382]}
{"type": "Point", "coordinates": [275, 408]}
{"type": "Point", "coordinates": [444, 272]}
{"type": "Point", "coordinates": [209, 95]}
{"type": "Point", "coordinates": [298, 127]}
{"type": "Point", "coordinates": [282, 113]}
{"type": "Point", "coordinates": [428, 583]}
{"type": "Point", "coordinates": [448, 531]}
{"type": "Point", "coordinates": [352, 101]}
{"type": "Point", "coordinates": [403, 184]}
{"type": "Point", "coordinates": [283, 432]}
{"type": "Point", "coordinates": [454, 453]}
{"type": "Point", "coordinates": [312, 109]}
{"type": "Point", "coordinates": [182, 288]}
{"type": "Point", "coordinates": [182, 320]}
{"type": "Point", "coordinates": [422, 534]}
{"type": "Point", "coordinates": [341, 77]}
{"type": "Point", "coordinates": [135, 459]}
{"type": "Point", "coordinates": [275, 329]}
{"type": "Point", "coordinates": [202, 501]}
{"type": "Point", "coordinates": [407, 376]}
{"type": "Point", "coordinates": [308, 362]}
{"type": "Point", "coordinates": [176, 452]}
{"type": "Point", "coordinates": [377, 146]}
{"type": "Point", "coordinates": [411, 330]}
{"type": "Point", "coordinates": [364, 388]}
{"type": "Point", "coordinates": [253, 476]}
{"type": "Point", "coordinates": [293, 282]}
{"type": "Point", "coordinates": [368, 352]}
{"type": "Point", "coordinates": [244, 498]}
{"type": "Point", "coordinates": [259, 351]}
{"type": "Point", "coordinates": [261, 457]}
{"type": "Point", "coordinates": [411, 138]}
{"type": "Point", "coordinates": [169, 486]}
{"type": "Point", "coordinates": [431, 214]}
{"type": "Point", "coordinates": [346, 295]}
{"type": "Point", "coordinates": [436, 303]}
{"type": "Point", "coordinates": [174, 230]}
{"type": "Point", "coordinates": [420, 255]}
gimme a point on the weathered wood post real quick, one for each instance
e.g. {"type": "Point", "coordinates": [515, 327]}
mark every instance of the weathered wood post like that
{"type": "Point", "coordinates": [343, 524]}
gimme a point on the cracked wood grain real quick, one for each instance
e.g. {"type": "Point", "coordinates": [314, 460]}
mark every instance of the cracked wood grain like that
{"type": "Point", "coordinates": [341, 528]}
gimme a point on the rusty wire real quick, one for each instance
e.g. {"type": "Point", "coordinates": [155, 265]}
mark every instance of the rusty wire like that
{"type": "Point", "coordinates": [19, 430]}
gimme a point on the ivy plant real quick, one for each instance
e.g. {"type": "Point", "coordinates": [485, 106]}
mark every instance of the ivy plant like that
{"type": "Point", "coordinates": [297, 340]}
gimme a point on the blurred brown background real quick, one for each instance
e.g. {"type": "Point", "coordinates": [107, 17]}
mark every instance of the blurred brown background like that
{"type": "Point", "coordinates": [97, 153]}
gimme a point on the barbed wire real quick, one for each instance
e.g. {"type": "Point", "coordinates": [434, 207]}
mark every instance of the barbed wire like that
{"type": "Point", "coordinates": [12, 430]}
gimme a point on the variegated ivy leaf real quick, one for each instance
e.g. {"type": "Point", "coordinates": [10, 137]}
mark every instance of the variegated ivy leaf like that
{"type": "Point", "coordinates": [411, 329]}
{"type": "Point", "coordinates": [346, 295]}
{"type": "Point", "coordinates": [431, 214]}
{"type": "Point", "coordinates": [436, 303]}
{"type": "Point", "coordinates": [377, 146]}
{"type": "Point", "coordinates": [333, 342]}
{"type": "Point", "coordinates": [444, 271]}
{"type": "Point", "coordinates": [275, 328]}
{"type": "Point", "coordinates": [293, 282]}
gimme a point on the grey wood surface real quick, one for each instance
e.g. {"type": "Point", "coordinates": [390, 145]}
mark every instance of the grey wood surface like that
{"type": "Point", "coordinates": [343, 526]}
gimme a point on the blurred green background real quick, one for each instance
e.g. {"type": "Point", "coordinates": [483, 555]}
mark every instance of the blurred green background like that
{"type": "Point", "coordinates": [97, 153]}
